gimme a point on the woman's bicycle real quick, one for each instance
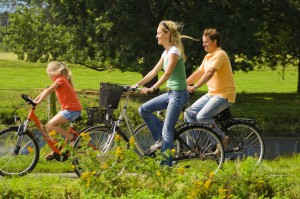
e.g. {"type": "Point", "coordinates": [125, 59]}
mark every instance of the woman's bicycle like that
{"type": "Point", "coordinates": [19, 146]}
{"type": "Point", "coordinates": [195, 144]}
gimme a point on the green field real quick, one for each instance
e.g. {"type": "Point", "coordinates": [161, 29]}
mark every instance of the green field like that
{"type": "Point", "coordinates": [16, 74]}
{"type": "Point", "coordinates": [261, 94]}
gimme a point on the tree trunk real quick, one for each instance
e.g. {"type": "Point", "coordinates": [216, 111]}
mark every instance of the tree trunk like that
{"type": "Point", "coordinates": [148, 63]}
{"type": "Point", "coordinates": [51, 106]}
{"type": "Point", "coordinates": [298, 87]}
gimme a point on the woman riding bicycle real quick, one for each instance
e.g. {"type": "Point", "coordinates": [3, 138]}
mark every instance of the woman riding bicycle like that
{"type": "Point", "coordinates": [67, 97]}
{"type": "Point", "coordinates": [172, 62]}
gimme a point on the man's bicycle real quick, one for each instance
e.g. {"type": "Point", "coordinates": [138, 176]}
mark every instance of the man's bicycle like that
{"type": "Point", "coordinates": [19, 146]}
{"type": "Point", "coordinates": [245, 138]}
{"type": "Point", "coordinates": [195, 144]}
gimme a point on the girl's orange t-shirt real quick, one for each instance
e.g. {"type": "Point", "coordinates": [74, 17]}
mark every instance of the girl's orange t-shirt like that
{"type": "Point", "coordinates": [66, 95]}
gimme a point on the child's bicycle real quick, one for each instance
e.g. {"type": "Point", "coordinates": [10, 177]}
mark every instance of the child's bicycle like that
{"type": "Point", "coordinates": [195, 144]}
{"type": "Point", "coordinates": [19, 146]}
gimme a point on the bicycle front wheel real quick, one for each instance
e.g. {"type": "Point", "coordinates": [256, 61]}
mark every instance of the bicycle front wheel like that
{"type": "Point", "coordinates": [245, 141]}
{"type": "Point", "coordinates": [144, 138]}
{"type": "Point", "coordinates": [88, 146]}
{"type": "Point", "coordinates": [18, 155]}
{"type": "Point", "coordinates": [200, 147]}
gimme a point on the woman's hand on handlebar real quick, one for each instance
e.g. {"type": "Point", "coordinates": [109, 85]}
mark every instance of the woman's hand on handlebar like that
{"type": "Point", "coordinates": [146, 90]}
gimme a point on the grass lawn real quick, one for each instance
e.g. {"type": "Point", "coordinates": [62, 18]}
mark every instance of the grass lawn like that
{"type": "Point", "coordinates": [261, 94]}
{"type": "Point", "coordinates": [33, 75]}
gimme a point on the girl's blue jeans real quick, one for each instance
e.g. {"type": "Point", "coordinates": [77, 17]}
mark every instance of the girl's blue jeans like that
{"type": "Point", "coordinates": [204, 110]}
{"type": "Point", "coordinates": [173, 102]}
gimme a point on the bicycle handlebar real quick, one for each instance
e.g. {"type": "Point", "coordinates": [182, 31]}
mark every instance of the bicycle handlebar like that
{"type": "Point", "coordinates": [28, 100]}
{"type": "Point", "coordinates": [129, 88]}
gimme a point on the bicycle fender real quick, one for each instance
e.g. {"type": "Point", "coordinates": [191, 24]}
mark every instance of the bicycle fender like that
{"type": "Point", "coordinates": [251, 121]}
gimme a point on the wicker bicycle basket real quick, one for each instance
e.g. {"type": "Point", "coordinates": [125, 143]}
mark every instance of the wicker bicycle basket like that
{"type": "Point", "coordinates": [110, 95]}
{"type": "Point", "coordinates": [99, 115]}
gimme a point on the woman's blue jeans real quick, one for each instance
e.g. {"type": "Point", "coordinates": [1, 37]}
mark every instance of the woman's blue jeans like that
{"type": "Point", "coordinates": [173, 101]}
{"type": "Point", "coordinates": [205, 108]}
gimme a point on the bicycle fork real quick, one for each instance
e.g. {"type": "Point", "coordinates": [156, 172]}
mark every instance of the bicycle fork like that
{"type": "Point", "coordinates": [20, 132]}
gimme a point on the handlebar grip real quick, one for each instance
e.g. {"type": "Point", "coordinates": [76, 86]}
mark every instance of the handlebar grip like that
{"type": "Point", "coordinates": [28, 100]}
{"type": "Point", "coordinates": [129, 88]}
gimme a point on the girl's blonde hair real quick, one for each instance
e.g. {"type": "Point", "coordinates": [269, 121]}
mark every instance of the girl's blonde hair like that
{"type": "Point", "coordinates": [57, 68]}
{"type": "Point", "coordinates": [175, 36]}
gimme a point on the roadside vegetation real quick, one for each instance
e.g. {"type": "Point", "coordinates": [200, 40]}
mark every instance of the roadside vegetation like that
{"type": "Point", "coordinates": [262, 95]}
{"type": "Point", "coordinates": [133, 177]}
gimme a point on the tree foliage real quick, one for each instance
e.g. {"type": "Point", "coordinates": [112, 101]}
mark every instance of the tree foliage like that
{"type": "Point", "coordinates": [121, 34]}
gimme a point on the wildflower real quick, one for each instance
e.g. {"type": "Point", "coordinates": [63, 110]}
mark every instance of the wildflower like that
{"type": "Point", "coordinates": [221, 190]}
{"type": "Point", "coordinates": [119, 153]}
{"type": "Point", "coordinates": [222, 193]}
{"type": "Point", "coordinates": [158, 173]}
{"type": "Point", "coordinates": [85, 136]}
{"type": "Point", "coordinates": [181, 170]}
{"type": "Point", "coordinates": [52, 133]}
{"type": "Point", "coordinates": [131, 141]}
{"type": "Point", "coordinates": [30, 149]}
{"type": "Point", "coordinates": [105, 165]}
{"type": "Point", "coordinates": [118, 138]}
{"type": "Point", "coordinates": [173, 151]}
{"type": "Point", "coordinates": [196, 190]}
{"type": "Point", "coordinates": [88, 177]}
{"type": "Point", "coordinates": [87, 174]}
{"type": "Point", "coordinates": [207, 183]}
{"type": "Point", "coordinates": [211, 174]}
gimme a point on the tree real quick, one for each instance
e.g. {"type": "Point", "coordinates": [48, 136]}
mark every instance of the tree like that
{"type": "Point", "coordinates": [277, 32]}
{"type": "Point", "coordinates": [121, 33]}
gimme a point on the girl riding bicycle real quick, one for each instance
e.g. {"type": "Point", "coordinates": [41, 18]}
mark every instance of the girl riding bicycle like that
{"type": "Point", "coordinates": [71, 108]}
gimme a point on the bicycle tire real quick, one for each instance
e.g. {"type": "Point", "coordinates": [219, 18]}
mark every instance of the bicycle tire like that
{"type": "Point", "coordinates": [144, 138]}
{"type": "Point", "coordinates": [86, 160]}
{"type": "Point", "coordinates": [247, 142]}
{"type": "Point", "coordinates": [22, 161]}
{"type": "Point", "coordinates": [196, 145]}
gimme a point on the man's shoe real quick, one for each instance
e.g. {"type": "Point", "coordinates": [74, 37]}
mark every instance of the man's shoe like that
{"type": "Point", "coordinates": [225, 143]}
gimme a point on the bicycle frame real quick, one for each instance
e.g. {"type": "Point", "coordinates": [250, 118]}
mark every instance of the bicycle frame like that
{"type": "Point", "coordinates": [32, 117]}
{"type": "Point", "coordinates": [116, 124]}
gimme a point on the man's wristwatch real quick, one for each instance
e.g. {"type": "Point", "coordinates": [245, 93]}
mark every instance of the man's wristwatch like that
{"type": "Point", "coordinates": [195, 87]}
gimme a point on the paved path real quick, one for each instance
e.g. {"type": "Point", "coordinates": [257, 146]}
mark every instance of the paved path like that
{"type": "Point", "coordinates": [70, 175]}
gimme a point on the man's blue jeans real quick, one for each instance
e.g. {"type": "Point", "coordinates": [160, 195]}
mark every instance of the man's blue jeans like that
{"type": "Point", "coordinates": [205, 108]}
{"type": "Point", "coordinates": [173, 101]}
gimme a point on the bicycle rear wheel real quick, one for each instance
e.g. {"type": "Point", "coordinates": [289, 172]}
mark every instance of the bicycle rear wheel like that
{"type": "Point", "coordinates": [245, 141]}
{"type": "Point", "coordinates": [17, 158]}
{"type": "Point", "coordinates": [87, 158]}
{"type": "Point", "coordinates": [196, 145]}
